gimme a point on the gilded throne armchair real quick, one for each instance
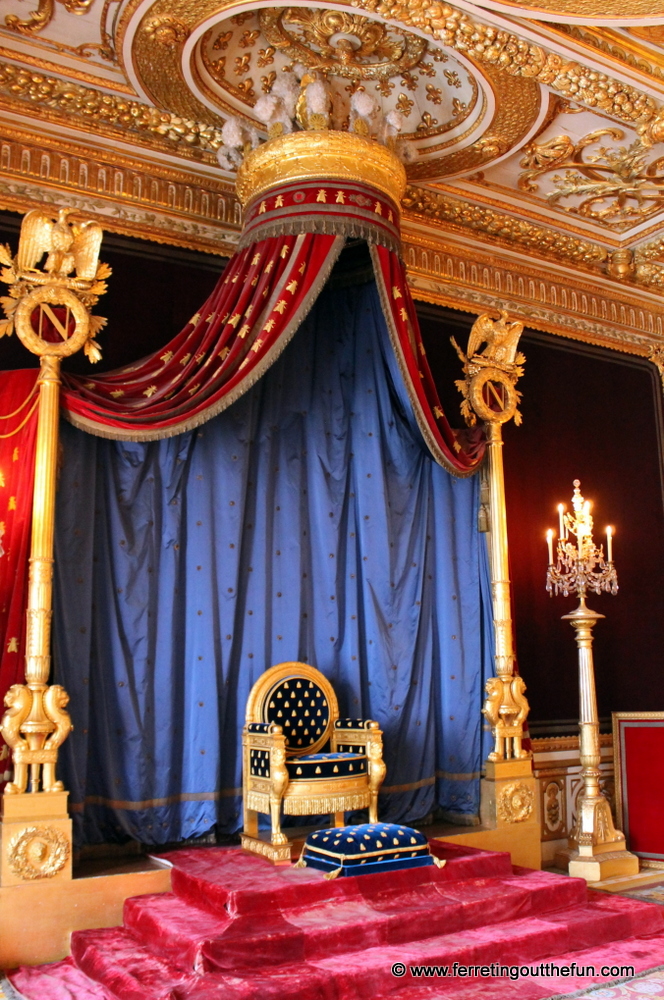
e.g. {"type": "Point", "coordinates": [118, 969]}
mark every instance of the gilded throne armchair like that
{"type": "Point", "coordinates": [292, 715]}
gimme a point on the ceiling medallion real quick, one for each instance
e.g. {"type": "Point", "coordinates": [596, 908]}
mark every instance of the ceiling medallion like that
{"type": "Point", "coordinates": [341, 44]}
{"type": "Point", "coordinates": [238, 60]}
{"type": "Point", "coordinates": [207, 64]}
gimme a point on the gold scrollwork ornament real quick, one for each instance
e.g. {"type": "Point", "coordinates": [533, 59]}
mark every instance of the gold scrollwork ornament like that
{"type": "Point", "coordinates": [38, 852]}
{"type": "Point", "coordinates": [515, 802]}
{"type": "Point", "coordinates": [342, 44]}
{"type": "Point", "coordinates": [40, 18]}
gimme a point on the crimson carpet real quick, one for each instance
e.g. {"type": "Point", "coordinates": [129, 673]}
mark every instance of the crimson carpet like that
{"type": "Point", "coordinates": [236, 928]}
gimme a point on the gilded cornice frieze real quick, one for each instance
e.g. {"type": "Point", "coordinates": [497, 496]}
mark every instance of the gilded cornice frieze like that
{"type": "Point", "coordinates": [474, 280]}
{"type": "Point", "coordinates": [94, 110]}
{"type": "Point", "coordinates": [432, 206]}
{"type": "Point", "coordinates": [643, 266]}
{"type": "Point", "coordinates": [127, 195]}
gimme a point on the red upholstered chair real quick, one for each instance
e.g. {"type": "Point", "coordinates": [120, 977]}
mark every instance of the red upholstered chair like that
{"type": "Point", "coordinates": [299, 757]}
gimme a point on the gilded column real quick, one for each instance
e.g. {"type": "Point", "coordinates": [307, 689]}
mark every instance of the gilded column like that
{"type": "Point", "coordinates": [50, 310]}
{"type": "Point", "coordinates": [492, 367]}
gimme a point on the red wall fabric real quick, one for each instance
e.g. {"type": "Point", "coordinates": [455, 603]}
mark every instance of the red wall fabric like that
{"type": "Point", "coordinates": [642, 773]}
{"type": "Point", "coordinates": [17, 448]}
{"type": "Point", "coordinates": [594, 415]}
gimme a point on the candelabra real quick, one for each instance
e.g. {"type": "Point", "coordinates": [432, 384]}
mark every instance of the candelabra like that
{"type": "Point", "coordinates": [596, 850]}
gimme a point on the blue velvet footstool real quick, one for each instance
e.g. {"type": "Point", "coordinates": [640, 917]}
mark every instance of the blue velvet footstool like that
{"type": "Point", "coordinates": [366, 849]}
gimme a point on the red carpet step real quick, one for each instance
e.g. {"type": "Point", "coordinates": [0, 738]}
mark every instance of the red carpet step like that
{"type": "Point", "coordinates": [236, 928]}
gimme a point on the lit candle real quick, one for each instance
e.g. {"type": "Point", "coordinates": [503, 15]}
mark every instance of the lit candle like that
{"type": "Point", "coordinates": [549, 542]}
{"type": "Point", "coordinates": [609, 544]}
{"type": "Point", "coordinates": [561, 530]}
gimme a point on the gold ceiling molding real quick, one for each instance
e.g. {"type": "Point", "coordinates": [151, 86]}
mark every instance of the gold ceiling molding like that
{"type": "Point", "coordinates": [129, 196]}
{"type": "Point", "coordinates": [314, 42]}
{"type": "Point", "coordinates": [590, 9]}
{"type": "Point", "coordinates": [144, 225]}
{"type": "Point", "coordinates": [234, 61]}
{"type": "Point", "coordinates": [94, 110]}
{"type": "Point", "coordinates": [571, 305]}
{"type": "Point", "coordinates": [170, 206]}
{"type": "Point", "coordinates": [641, 266]}
{"type": "Point", "coordinates": [649, 32]}
{"type": "Point", "coordinates": [484, 44]}
{"type": "Point", "coordinates": [432, 206]}
{"type": "Point", "coordinates": [519, 57]}
{"type": "Point", "coordinates": [49, 67]}
{"type": "Point", "coordinates": [157, 56]}
{"type": "Point", "coordinates": [628, 51]}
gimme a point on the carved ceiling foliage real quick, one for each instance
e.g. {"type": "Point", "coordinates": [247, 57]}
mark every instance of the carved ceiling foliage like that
{"type": "Point", "coordinates": [536, 133]}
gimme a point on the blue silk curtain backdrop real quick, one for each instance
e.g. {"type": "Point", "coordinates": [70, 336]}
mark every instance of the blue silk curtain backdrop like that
{"type": "Point", "coordinates": [307, 522]}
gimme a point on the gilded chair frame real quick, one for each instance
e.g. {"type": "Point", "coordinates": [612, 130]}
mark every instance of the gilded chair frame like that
{"type": "Point", "coordinates": [277, 791]}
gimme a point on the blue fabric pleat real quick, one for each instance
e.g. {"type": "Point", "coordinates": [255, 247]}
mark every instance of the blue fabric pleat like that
{"type": "Point", "coordinates": [306, 522]}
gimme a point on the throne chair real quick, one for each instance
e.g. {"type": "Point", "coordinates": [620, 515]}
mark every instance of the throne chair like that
{"type": "Point", "coordinates": [300, 757]}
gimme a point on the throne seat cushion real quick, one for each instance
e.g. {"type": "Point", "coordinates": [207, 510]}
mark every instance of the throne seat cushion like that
{"type": "Point", "coordinates": [367, 848]}
{"type": "Point", "coordinates": [327, 765]}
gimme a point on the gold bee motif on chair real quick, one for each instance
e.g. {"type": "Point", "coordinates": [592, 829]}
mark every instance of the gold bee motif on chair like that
{"type": "Point", "coordinates": [292, 717]}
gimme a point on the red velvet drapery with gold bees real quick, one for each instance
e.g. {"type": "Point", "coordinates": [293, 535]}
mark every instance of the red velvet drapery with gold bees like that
{"type": "Point", "coordinates": [18, 429]}
{"type": "Point", "coordinates": [293, 236]}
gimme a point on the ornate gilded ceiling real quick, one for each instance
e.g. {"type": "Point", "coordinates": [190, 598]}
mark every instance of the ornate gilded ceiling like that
{"type": "Point", "coordinates": [535, 132]}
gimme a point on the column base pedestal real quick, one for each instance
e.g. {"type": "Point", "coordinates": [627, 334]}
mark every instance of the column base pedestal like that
{"type": "Point", "coordinates": [508, 793]}
{"type": "Point", "coordinates": [607, 861]}
{"type": "Point", "coordinates": [35, 838]}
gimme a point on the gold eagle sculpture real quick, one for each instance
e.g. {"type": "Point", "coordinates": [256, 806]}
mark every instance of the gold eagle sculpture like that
{"type": "Point", "coordinates": [500, 337]}
{"type": "Point", "coordinates": [71, 276]}
{"type": "Point", "coordinates": [70, 246]}
{"type": "Point", "coordinates": [499, 362]}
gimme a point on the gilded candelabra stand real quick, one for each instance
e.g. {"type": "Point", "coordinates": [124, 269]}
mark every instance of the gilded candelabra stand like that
{"type": "Point", "coordinates": [49, 308]}
{"type": "Point", "coordinates": [596, 850]}
{"type": "Point", "coordinates": [492, 365]}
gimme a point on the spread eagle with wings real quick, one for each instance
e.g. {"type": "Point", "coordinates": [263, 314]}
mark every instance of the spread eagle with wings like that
{"type": "Point", "coordinates": [71, 268]}
{"type": "Point", "coordinates": [500, 337]}
{"type": "Point", "coordinates": [70, 246]}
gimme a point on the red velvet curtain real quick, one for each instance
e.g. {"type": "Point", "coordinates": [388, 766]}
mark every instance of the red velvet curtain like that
{"type": "Point", "coordinates": [18, 430]}
{"type": "Point", "coordinates": [260, 300]}
{"type": "Point", "coordinates": [264, 294]}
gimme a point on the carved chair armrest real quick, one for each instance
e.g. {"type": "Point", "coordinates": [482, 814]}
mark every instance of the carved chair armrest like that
{"type": "Point", "coordinates": [355, 735]}
{"type": "Point", "coordinates": [355, 724]}
{"type": "Point", "coordinates": [264, 746]}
